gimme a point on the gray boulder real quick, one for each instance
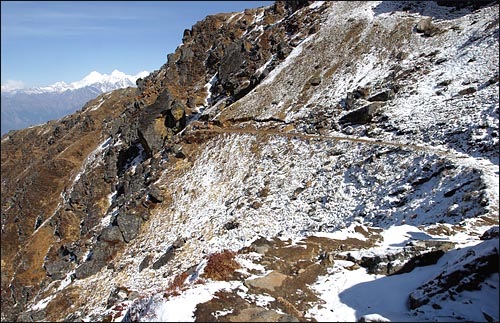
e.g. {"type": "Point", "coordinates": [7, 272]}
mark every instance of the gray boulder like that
{"type": "Point", "coordinates": [382, 96]}
{"type": "Point", "coordinates": [362, 115]}
{"type": "Point", "coordinates": [129, 225]}
{"type": "Point", "coordinates": [164, 259]}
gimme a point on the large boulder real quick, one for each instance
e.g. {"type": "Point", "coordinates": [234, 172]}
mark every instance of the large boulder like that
{"type": "Point", "coordinates": [362, 115]}
{"type": "Point", "coordinates": [129, 225]}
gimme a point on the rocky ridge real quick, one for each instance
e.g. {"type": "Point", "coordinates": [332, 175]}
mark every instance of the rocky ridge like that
{"type": "Point", "coordinates": [267, 132]}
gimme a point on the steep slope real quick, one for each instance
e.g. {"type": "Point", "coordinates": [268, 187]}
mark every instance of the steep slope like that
{"type": "Point", "coordinates": [292, 162]}
{"type": "Point", "coordinates": [27, 107]}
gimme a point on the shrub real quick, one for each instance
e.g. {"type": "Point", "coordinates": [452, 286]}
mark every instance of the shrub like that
{"type": "Point", "coordinates": [221, 265]}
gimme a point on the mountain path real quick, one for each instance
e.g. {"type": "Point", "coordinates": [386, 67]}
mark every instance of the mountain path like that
{"type": "Point", "coordinates": [269, 132]}
{"type": "Point", "coordinates": [489, 169]}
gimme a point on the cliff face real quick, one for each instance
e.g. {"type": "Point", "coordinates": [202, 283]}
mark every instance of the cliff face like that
{"type": "Point", "coordinates": [296, 136]}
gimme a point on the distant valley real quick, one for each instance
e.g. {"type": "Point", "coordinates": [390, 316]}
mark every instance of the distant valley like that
{"type": "Point", "coordinates": [28, 107]}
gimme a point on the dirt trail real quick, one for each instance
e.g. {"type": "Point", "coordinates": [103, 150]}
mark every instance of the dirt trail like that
{"type": "Point", "coordinates": [270, 132]}
{"type": "Point", "coordinates": [488, 168]}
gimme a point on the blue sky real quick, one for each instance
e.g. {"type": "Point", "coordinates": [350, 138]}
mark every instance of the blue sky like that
{"type": "Point", "coordinates": [43, 42]}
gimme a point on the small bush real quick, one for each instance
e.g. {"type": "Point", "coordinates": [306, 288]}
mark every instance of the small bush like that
{"type": "Point", "coordinates": [221, 265]}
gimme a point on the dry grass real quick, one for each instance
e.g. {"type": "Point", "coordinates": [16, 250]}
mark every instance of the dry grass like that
{"type": "Point", "coordinates": [176, 285]}
{"type": "Point", "coordinates": [220, 266]}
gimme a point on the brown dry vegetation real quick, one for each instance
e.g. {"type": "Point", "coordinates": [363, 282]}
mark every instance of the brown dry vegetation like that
{"type": "Point", "coordinates": [176, 285]}
{"type": "Point", "coordinates": [221, 265]}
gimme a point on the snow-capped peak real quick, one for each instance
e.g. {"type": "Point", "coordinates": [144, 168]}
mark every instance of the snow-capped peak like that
{"type": "Point", "coordinates": [101, 82]}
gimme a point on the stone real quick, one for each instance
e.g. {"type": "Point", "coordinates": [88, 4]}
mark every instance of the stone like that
{"type": "Point", "coordinates": [468, 276]}
{"type": "Point", "coordinates": [177, 151]}
{"type": "Point", "coordinates": [269, 282]}
{"type": "Point", "coordinates": [88, 269]}
{"type": "Point", "coordinates": [111, 234]}
{"type": "Point", "coordinates": [118, 294]}
{"type": "Point", "coordinates": [362, 115]}
{"type": "Point", "coordinates": [373, 318]}
{"type": "Point", "coordinates": [164, 259]}
{"type": "Point", "coordinates": [283, 50]}
{"type": "Point", "coordinates": [152, 130]}
{"type": "Point", "coordinates": [186, 54]}
{"type": "Point", "coordinates": [382, 96]}
{"type": "Point", "coordinates": [155, 195]}
{"type": "Point", "coordinates": [231, 61]}
{"type": "Point", "coordinates": [145, 262]}
{"type": "Point", "coordinates": [57, 269]}
{"type": "Point", "coordinates": [231, 225]}
{"type": "Point", "coordinates": [467, 91]}
{"type": "Point", "coordinates": [129, 225]}
{"type": "Point", "coordinates": [444, 83]}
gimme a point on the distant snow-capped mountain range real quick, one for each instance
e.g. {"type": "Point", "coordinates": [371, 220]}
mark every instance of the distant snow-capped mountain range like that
{"type": "Point", "coordinates": [102, 82]}
{"type": "Point", "coordinates": [22, 108]}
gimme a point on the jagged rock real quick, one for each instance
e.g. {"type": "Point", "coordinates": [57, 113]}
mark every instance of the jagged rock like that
{"type": "Point", "coordinates": [444, 83]}
{"type": "Point", "coordinates": [263, 38]}
{"type": "Point", "coordinates": [361, 115]}
{"type": "Point", "coordinates": [261, 246]}
{"type": "Point", "coordinates": [283, 50]}
{"type": "Point", "coordinates": [88, 269]}
{"type": "Point", "coordinates": [491, 233]}
{"type": "Point", "coordinates": [295, 5]}
{"type": "Point", "coordinates": [175, 118]}
{"type": "Point", "coordinates": [155, 195]}
{"type": "Point", "coordinates": [186, 54]}
{"type": "Point", "coordinates": [152, 128]}
{"type": "Point", "coordinates": [382, 96]}
{"type": "Point", "coordinates": [166, 257]}
{"type": "Point", "coordinates": [415, 254]}
{"type": "Point", "coordinates": [425, 259]}
{"type": "Point", "coordinates": [177, 151]}
{"type": "Point", "coordinates": [145, 262]}
{"type": "Point", "coordinates": [231, 225]}
{"type": "Point", "coordinates": [57, 269]}
{"type": "Point", "coordinates": [32, 316]}
{"type": "Point", "coordinates": [129, 225]}
{"type": "Point", "coordinates": [111, 234]}
{"type": "Point", "coordinates": [177, 111]}
{"type": "Point", "coordinates": [231, 61]}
